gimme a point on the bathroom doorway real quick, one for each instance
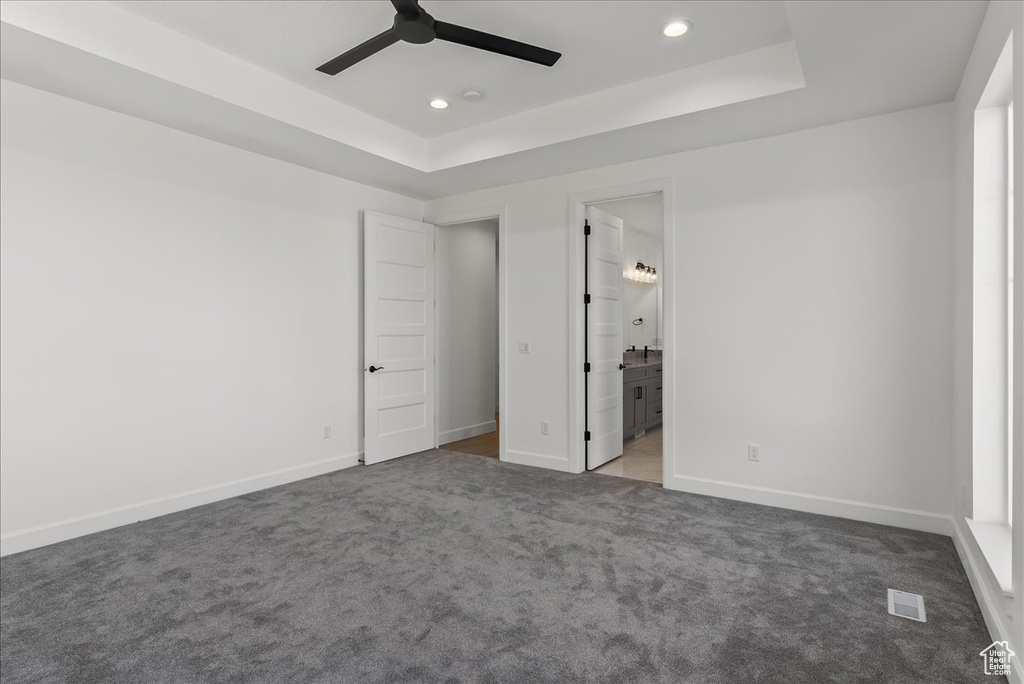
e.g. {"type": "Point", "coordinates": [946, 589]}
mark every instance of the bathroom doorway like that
{"type": "Point", "coordinates": [642, 321]}
{"type": "Point", "coordinates": [622, 399]}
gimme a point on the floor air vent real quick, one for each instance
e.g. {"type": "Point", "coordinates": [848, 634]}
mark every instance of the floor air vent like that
{"type": "Point", "coordinates": [910, 606]}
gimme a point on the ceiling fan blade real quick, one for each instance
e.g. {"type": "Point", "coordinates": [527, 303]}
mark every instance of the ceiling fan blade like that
{"type": "Point", "coordinates": [493, 43]}
{"type": "Point", "coordinates": [359, 53]}
{"type": "Point", "coordinates": [407, 7]}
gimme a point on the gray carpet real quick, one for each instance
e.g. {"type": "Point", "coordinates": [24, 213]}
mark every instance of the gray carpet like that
{"type": "Point", "coordinates": [451, 568]}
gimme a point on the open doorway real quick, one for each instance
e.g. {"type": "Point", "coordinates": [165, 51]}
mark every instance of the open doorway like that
{"type": "Point", "coordinates": [621, 403]}
{"type": "Point", "coordinates": [468, 406]}
{"type": "Point", "coordinates": [402, 347]}
{"type": "Point", "coordinates": [642, 335]}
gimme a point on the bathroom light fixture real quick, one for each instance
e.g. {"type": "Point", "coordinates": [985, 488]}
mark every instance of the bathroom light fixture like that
{"type": "Point", "coordinates": [641, 273]}
{"type": "Point", "coordinates": [677, 28]}
{"type": "Point", "coordinates": [438, 103]}
{"type": "Point", "coordinates": [472, 95]}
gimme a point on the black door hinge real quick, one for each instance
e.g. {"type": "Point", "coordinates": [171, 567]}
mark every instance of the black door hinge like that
{"type": "Point", "coordinates": [586, 436]}
{"type": "Point", "coordinates": [586, 367]}
{"type": "Point", "coordinates": [586, 227]}
{"type": "Point", "coordinates": [586, 299]}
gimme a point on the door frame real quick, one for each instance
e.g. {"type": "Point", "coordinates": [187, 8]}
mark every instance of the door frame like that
{"type": "Point", "coordinates": [577, 208]}
{"type": "Point", "coordinates": [443, 219]}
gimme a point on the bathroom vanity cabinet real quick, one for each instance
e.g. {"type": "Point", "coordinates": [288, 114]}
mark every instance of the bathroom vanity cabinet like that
{"type": "Point", "coordinates": [641, 398]}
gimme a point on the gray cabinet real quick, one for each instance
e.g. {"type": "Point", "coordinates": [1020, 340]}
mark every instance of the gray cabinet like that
{"type": "Point", "coordinates": [641, 399]}
{"type": "Point", "coordinates": [634, 407]}
{"type": "Point", "coordinates": [654, 386]}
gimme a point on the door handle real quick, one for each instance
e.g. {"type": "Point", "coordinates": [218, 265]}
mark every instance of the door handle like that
{"type": "Point", "coordinates": [622, 366]}
{"type": "Point", "coordinates": [374, 369]}
{"type": "Point", "coordinates": [641, 388]}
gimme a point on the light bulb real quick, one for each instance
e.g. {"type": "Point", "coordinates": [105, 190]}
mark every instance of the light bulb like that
{"type": "Point", "coordinates": [677, 28]}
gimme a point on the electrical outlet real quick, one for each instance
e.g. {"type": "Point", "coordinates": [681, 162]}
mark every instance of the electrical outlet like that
{"type": "Point", "coordinates": [524, 347]}
{"type": "Point", "coordinates": [327, 431]}
{"type": "Point", "coordinates": [753, 452]}
{"type": "Point", "coordinates": [545, 427]}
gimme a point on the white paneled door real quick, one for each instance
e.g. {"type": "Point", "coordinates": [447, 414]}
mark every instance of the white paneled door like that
{"type": "Point", "coordinates": [398, 319]}
{"type": "Point", "coordinates": [604, 337]}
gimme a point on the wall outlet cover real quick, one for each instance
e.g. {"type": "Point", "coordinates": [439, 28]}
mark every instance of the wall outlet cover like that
{"type": "Point", "coordinates": [753, 452]}
{"type": "Point", "coordinates": [327, 431]}
{"type": "Point", "coordinates": [524, 347]}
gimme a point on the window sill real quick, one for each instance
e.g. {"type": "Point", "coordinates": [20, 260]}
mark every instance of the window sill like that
{"type": "Point", "coordinates": [996, 542]}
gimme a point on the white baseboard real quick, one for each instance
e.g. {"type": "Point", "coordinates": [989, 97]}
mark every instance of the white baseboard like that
{"type": "Point", "coordinates": [62, 530]}
{"type": "Point", "coordinates": [990, 596]}
{"type": "Point", "coordinates": [466, 432]}
{"type": "Point", "coordinates": [822, 505]}
{"type": "Point", "coordinates": [559, 463]}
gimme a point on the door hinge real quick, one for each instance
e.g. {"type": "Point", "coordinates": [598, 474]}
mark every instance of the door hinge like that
{"type": "Point", "coordinates": [586, 436]}
{"type": "Point", "coordinates": [586, 227]}
{"type": "Point", "coordinates": [586, 367]}
{"type": "Point", "coordinates": [586, 299]}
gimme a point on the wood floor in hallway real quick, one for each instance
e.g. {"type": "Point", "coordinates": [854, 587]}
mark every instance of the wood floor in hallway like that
{"type": "Point", "coordinates": [481, 445]}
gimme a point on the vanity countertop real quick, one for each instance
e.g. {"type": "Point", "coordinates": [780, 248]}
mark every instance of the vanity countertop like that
{"type": "Point", "coordinates": [640, 363]}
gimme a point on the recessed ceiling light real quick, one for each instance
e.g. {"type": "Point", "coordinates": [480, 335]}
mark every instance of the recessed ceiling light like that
{"type": "Point", "coordinates": [472, 95]}
{"type": "Point", "coordinates": [438, 103]}
{"type": "Point", "coordinates": [677, 28]}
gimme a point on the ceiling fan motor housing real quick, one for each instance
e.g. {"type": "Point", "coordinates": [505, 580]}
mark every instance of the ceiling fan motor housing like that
{"type": "Point", "coordinates": [413, 25]}
{"type": "Point", "coordinates": [415, 28]}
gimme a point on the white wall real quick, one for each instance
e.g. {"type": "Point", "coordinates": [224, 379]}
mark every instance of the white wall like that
{"type": "Point", "coordinates": [642, 300]}
{"type": "Point", "coordinates": [467, 312]}
{"type": "Point", "coordinates": [1004, 614]}
{"type": "Point", "coordinates": [643, 218]}
{"type": "Point", "coordinates": [180, 318]}
{"type": "Point", "coordinates": [812, 288]}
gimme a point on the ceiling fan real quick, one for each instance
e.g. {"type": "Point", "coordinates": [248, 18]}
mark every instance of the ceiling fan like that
{"type": "Point", "coordinates": [414, 25]}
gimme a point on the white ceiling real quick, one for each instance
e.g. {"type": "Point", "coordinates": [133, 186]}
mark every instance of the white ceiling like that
{"type": "Point", "coordinates": [603, 44]}
{"type": "Point", "coordinates": [837, 61]}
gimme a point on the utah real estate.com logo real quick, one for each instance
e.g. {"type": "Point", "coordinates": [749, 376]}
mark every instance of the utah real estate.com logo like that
{"type": "Point", "coordinates": [997, 658]}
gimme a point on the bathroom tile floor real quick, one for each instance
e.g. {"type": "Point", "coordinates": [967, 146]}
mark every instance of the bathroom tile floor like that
{"type": "Point", "coordinates": [640, 460]}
